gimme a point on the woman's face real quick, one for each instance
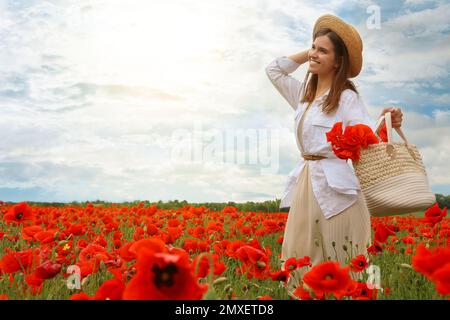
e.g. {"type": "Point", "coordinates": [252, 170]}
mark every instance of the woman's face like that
{"type": "Point", "coordinates": [321, 57]}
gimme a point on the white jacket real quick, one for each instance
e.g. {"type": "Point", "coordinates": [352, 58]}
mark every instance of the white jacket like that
{"type": "Point", "coordinates": [333, 180]}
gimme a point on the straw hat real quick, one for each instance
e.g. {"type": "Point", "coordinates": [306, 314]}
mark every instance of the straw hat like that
{"type": "Point", "coordinates": [349, 35]}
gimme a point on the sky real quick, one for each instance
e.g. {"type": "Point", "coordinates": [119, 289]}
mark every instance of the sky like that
{"type": "Point", "coordinates": [168, 99]}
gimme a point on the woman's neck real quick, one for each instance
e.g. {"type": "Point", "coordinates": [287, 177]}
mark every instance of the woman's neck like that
{"type": "Point", "coordinates": [323, 84]}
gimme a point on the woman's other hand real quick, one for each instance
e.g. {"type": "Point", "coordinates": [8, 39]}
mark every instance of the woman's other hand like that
{"type": "Point", "coordinates": [396, 115]}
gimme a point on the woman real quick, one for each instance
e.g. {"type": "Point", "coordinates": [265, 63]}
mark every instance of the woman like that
{"type": "Point", "coordinates": [328, 217]}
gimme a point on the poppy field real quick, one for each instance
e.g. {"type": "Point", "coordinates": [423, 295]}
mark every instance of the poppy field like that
{"type": "Point", "coordinates": [84, 252]}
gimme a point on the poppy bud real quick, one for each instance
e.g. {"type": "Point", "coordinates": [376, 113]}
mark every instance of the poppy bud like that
{"type": "Point", "coordinates": [48, 270]}
{"type": "Point", "coordinates": [220, 280]}
{"type": "Point", "coordinates": [261, 264]}
{"type": "Point", "coordinates": [344, 247]}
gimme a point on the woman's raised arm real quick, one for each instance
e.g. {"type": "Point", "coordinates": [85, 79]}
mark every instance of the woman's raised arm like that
{"type": "Point", "coordinates": [300, 57]}
{"type": "Point", "coordinates": [279, 71]}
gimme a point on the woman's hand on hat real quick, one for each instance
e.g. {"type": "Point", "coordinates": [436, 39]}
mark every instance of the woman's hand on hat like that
{"type": "Point", "coordinates": [396, 115]}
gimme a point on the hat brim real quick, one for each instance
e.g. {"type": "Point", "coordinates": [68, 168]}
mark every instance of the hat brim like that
{"type": "Point", "coordinates": [349, 36]}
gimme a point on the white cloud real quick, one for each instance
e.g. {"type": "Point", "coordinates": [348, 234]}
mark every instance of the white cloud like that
{"type": "Point", "coordinates": [409, 47]}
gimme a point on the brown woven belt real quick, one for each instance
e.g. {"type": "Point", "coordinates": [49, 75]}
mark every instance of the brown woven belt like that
{"type": "Point", "coordinates": [312, 157]}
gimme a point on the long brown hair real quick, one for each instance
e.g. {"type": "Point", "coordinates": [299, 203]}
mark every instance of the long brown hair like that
{"type": "Point", "coordinates": [340, 80]}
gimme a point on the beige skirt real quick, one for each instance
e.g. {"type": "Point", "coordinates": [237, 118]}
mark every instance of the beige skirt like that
{"type": "Point", "coordinates": [309, 233]}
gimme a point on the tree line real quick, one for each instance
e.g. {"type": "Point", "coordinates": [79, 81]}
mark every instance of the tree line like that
{"type": "Point", "coordinates": [249, 206]}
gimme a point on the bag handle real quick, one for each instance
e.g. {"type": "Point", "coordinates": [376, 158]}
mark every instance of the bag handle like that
{"type": "Point", "coordinates": [387, 117]}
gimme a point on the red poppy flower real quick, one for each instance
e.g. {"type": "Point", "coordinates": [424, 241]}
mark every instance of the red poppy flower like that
{"type": "Point", "coordinates": [363, 292]}
{"type": "Point", "coordinates": [29, 232]}
{"type": "Point", "coordinates": [271, 225]}
{"type": "Point", "coordinates": [408, 240]}
{"type": "Point", "coordinates": [290, 264]}
{"type": "Point", "coordinates": [434, 214]}
{"type": "Point", "coordinates": [353, 137]}
{"type": "Point", "coordinates": [204, 265]}
{"type": "Point", "coordinates": [35, 283]}
{"type": "Point", "coordinates": [19, 213]}
{"type": "Point", "coordinates": [304, 262]}
{"type": "Point", "coordinates": [152, 244]}
{"type": "Point", "coordinates": [19, 261]}
{"type": "Point", "coordinates": [359, 263]}
{"type": "Point", "coordinates": [256, 262]}
{"type": "Point", "coordinates": [214, 226]}
{"type": "Point", "coordinates": [191, 245]}
{"type": "Point", "coordinates": [265, 297]}
{"type": "Point", "coordinates": [110, 290]}
{"type": "Point", "coordinates": [347, 145]}
{"type": "Point", "coordinates": [328, 278]}
{"type": "Point", "coordinates": [82, 243]}
{"type": "Point", "coordinates": [232, 247]}
{"type": "Point", "coordinates": [349, 291]}
{"type": "Point", "coordinates": [441, 278]}
{"type": "Point", "coordinates": [80, 296]}
{"type": "Point", "coordinates": [45, 236]}
{"type": "Point", "coordinates": [301, 293]}
{"type": "Point", "coordinates": [94, 253]}
{"type": "Point", "coordinates": [375, 248]}
{"type": "Point", "coordinates": [138, 234]}
{"type": "Point", "coordinates": [125, 253]}
{"type": "Point", "coordinates": [100, 240]}
{"type": "Point", "coordinates": [172, 234]}
{"type": "Point", "coordinates": [152, 230]}
{"type": "Point", "coordinates": [76, 229]}
{"type": "Point", "coordinates": [382, 233]}
{"type": "Point", "coordinates": [364, 134]}
{"type": "Point", "coordinates": [118, 235]}
{"type": "Point", "coordinates": [152, 209]}
{"type": "Point", "coordinates": [162, 276]}
{"type": "Point", "coordinates": [229, 209]}
{"type": "Point", "coordinates": [221, 247]}
{"type": "Point", "coordinates": [198, 232]}
{"type": "Point", "coordinates": [346, 152]}
{"type": "Point", "coordinates": [280, 275]}
{"type": "Point", "coordinates": [428, 261]}
{"type": "Point", "coordinates": [65, 248]}
{"type": "Point", "coordinates": [335, 134]}
{"type": "Point", "coordinates": [250, 255]}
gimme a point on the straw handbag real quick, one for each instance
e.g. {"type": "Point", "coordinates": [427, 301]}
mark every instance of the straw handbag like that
{"type": "Point", "coordinates": [392, 176]}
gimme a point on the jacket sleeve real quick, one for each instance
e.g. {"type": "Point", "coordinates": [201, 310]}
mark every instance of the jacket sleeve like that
{"type": "Point", "coordinates": [278, 72]}
{"type": "Point", "coordinates": [356, 112]}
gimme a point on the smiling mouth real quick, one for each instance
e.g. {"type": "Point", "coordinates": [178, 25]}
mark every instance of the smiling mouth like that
{"type": "Point", "coordinates": [313, 61]}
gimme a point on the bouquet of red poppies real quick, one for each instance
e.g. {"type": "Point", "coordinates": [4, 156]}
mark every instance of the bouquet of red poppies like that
{"type": "Point", "coordinates": [347, 144]}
